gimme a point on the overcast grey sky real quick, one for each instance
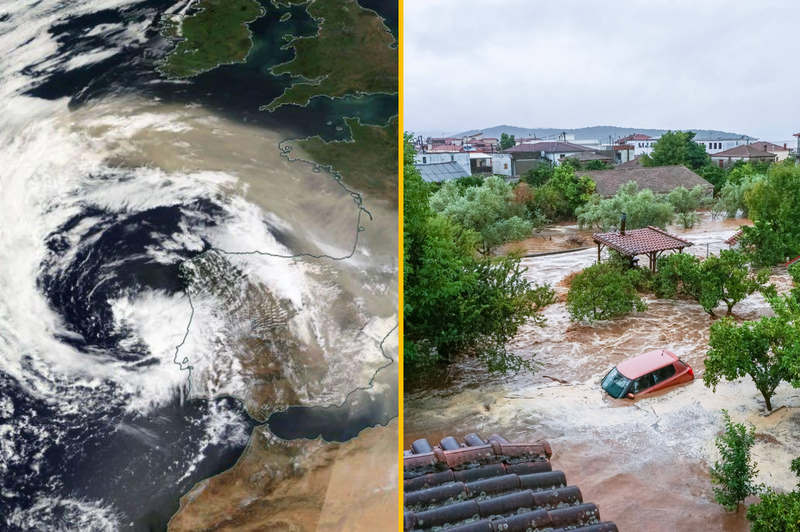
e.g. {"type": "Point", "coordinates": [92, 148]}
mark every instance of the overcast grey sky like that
{"type": "Point", "coordinates": [704, 64]}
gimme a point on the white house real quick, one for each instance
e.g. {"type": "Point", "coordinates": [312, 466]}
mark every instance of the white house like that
{"type": "Point", "coordinates": [723, 144]}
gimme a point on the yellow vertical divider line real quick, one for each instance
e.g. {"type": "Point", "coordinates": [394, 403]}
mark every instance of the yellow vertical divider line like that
{"type": "Point", "coordinates": [400, 145]}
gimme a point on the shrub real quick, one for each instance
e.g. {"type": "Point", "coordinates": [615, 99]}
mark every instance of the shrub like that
{"type": "Point", "coordinates": [602, 291]}
{"type": "Point", "coordinates": [734, 473]}
{"type": "Point", "coordinates": [643, 208]}
{"type": "Point", "coordinates": [777, 512]}
{"type": "Point", "coordinates": [686, 202]}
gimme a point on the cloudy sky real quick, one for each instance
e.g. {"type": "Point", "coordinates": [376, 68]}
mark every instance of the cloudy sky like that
{"type": "Point", "coordinates": [728, 65]}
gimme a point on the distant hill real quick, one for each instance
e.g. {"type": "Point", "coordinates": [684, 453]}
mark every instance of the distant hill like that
{"type": "Point", "coordinates": [600, 133]}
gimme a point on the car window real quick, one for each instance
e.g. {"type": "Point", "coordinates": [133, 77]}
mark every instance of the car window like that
{"type": "Point", "coordinates": [615, 383]}
{"type": "Point", "coordinates": [664, 373]}
{"type": "Point", "coordinates": [644, 382]}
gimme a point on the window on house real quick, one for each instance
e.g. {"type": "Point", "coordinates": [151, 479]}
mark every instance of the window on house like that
{"type": "Point", "coordinates": [720, 163]}
{"type": "Point", "coordinates": [424, 160]}
{"type": "Point", "coordinates": [452, 157]}
{"type": "Point", "coordinates": [505, 166]}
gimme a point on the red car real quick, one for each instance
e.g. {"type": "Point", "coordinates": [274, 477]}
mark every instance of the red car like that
{"type": "Point", "coordinates": [647, 373]}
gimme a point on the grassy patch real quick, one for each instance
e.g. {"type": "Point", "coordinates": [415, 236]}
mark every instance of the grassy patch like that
{"type": "Point", "coordinates": [367, 163]}
{"type": "Point", "coordinates": [352, 53]}
{"type": "Point", "coordinates": [215, 33]}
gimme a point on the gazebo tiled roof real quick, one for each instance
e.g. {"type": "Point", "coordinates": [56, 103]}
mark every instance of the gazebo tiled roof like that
{"type": "Point", "coordinates": [733, 240]}
{"type": "Point", "coordinates": [641, 241]}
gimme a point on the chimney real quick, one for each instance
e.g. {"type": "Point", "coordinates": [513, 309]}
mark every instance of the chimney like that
{"type": "Point", "coordinates": [622, 225]}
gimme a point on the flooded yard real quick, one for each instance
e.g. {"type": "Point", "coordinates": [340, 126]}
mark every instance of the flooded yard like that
{"type": "Point", "coordinates": [644, 462]}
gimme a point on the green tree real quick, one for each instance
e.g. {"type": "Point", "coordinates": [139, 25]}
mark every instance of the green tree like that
{"type": "Point", "coordinates": [686, 202]}
{"type": "Point", "coordinates": [538, 175]}
{"type": "Point", "coordinates": [723, 278]}
{"type": "Point", "coordinates": [777, 512]}
{"type": "Point", "coordinates": [507, 141]}
{"type": "Point", "coordinates": [490, 210]}
{"type": "Point", "coordinates": [643, 208]}
{"type": "Point", "coordinates": [603, 291]}
{"type": "Point", "coordinates": [597, 165]}
{"type": "Point", "coordinates": [677, 147]}
{"type": "Point", "coordinates": [453, 303]}
{"type": "Point", "coordinates": [773, 203]}
{"type": "Point", "coordinates": [713, 174]}
{"type": "Point", "coordinates": [735, 471]}
{"type": "Point", "coordinates": [753, 349]}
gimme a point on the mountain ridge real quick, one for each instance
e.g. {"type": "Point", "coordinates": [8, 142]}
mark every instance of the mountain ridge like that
{"type": "Point", "coordinates": [589, 133]}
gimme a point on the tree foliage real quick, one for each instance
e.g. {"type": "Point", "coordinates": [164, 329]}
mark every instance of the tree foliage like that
{"type": "Point", "coordinates": [454, 303]}
{"type": "Point", "coordinates": [490, 210]}
{"type": "Point", "coordinates": [563, 193]}
{"type": "Point", "coordinates": [773, 203]}
{"type": "Point", "coordinates": [603, 291]}
{"type": "Point", "coordinates": [754, 348]}
{"type": "Point", "coordinates": [777, 512]}
{"type": "Point", "coordinates": [719, 278]}
{"type": "Point", "coordinates": [643, 208]}
{"type": "Point", "coordinates": [597, 165]}
{"type": "Point", "coordinates": [538, 176]}
{"type": "Point", "coordinates": [507, 141]}
{"type": "Point", "coordinates": [686, 202]}
{"type": "Point", "coordinates": [677, 147]}
{"type": "Point", "coordinates": [735, 472]}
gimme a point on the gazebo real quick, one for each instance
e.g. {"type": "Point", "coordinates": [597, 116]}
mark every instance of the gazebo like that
{"type": "Point", "coordinates": [650, 241]}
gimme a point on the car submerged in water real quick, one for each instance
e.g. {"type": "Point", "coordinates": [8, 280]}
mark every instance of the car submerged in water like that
{"type": "Point", "coordinates": [647, 373]}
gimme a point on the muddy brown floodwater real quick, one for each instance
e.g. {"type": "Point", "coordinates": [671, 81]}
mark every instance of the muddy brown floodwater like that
{"type": "Point", "coordinates": [644, 462]}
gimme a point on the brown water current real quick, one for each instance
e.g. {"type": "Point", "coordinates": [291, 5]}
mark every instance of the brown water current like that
{"type": "Point", "coordinates": [644, 462]}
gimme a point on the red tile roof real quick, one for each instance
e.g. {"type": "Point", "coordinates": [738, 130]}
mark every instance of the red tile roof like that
{"type": "Point", "coordinates": [735, 238]}
{"type": "Point", "coordinates": [491, 486]}
{"type": "Point", "coordinates": [745, 151]}
{"type": "Point", "coordinates": [768, 146]}
{"type": "Point", "coordinates": [636, 136]}
{"type": "Point", "coordinates": [640, 241]}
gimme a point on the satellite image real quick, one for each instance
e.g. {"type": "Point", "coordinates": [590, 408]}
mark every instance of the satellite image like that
{"type": "Point", "coordinates": [199, 265]}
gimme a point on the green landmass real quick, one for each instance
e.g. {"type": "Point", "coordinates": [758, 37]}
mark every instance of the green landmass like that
{"type": "Point", "coordinates": [367, 163]}
{"type": "Point", "coordinates": [353, 52]}
{"type": "Point", "coordinates": [215, 33]}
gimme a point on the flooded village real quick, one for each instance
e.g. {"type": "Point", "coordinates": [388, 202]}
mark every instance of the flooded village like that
{"type": "Point", "coordinates": [645, 460]}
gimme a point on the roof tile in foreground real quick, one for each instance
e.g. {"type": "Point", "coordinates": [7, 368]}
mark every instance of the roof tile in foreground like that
{"type": "Point", "coordinates": [638, 241]}
{"type": "Point", "coordinates": [491, 486]}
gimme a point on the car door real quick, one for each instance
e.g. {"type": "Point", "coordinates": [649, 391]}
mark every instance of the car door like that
{"type": "Point", "coordinates": [643, 383]}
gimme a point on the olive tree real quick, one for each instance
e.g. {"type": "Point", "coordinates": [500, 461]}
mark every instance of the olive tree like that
{"type": "Point", "coordinates": [491, 210]}
{"type": "Point", "coordinates": [686, 202]}
{"type": "Point", "coordinates": [643, 208]}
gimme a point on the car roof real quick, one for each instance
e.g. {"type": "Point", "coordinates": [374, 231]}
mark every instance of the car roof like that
{"type": "Point", "coordinates": [643, 364]}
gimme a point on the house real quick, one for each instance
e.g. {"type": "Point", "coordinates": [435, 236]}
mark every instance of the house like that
{"type": "Point", "coordinates": [641, 143]}
{"type": "Point", "coordinates": [491, 485]}
{"type": "Point", "coordinates": [745, 152]}
{"type": "Point", "coordinates": [720, 144]}
{"type": "Point", "coordinates": [527, 156]}
{"type": "Point", "coordinates": [659, 179]}
{"type": "Point", "coordinates": [781, 152]}
{"type": "Point", "coordinates": [586, 156]}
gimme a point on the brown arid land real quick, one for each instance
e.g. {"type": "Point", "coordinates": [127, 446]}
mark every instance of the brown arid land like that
{"type": "Point", "coordinates": [300, 486]}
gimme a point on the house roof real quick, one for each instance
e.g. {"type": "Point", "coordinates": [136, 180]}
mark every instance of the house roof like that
{"type": "Point", "coordinates": [589, 156]}
{"type": "Point", "coordinates": [552, 146]}
{"type": "Point", "coordinates": [746, 151]}
{"type": "Point", "coordinates": [734, 238]}
{"type": "Point", "coordinates": [445, 148]}
{"type": "Point", "coordinates": [437, 172]}
{"type": "Point", "coordinates": [768, 146]}
{"type": "Point", "coordinates": [640, 241]}
{"type": "Point", "coordinates": [635, 136]}
{"type": "Point", "coordinates": [659, 179]}
{"type": "Point", "coordinates": [636, 162]}
{"type": "Point", "coordinates": [491, 486]}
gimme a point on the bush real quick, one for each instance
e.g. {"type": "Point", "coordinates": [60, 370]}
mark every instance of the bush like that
{"type": "Point", "coordinates": [734, 473]}
{"type": "Point", "coordinates": [538, 176]}
{"type": "Point", "coordinates": [563, 193]}
{"type": "Point", "coordinates": [603, 291]}
{"type": "Point", "coordinates": [643, 208]}
{"type": "Point", "coordinates": [777, 512]}
{"type": "Point", "coordinates": [597, 165]}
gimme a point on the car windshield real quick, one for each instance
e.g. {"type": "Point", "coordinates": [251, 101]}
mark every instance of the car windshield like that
{"type": "Point", "coordinates": [615, 383]}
